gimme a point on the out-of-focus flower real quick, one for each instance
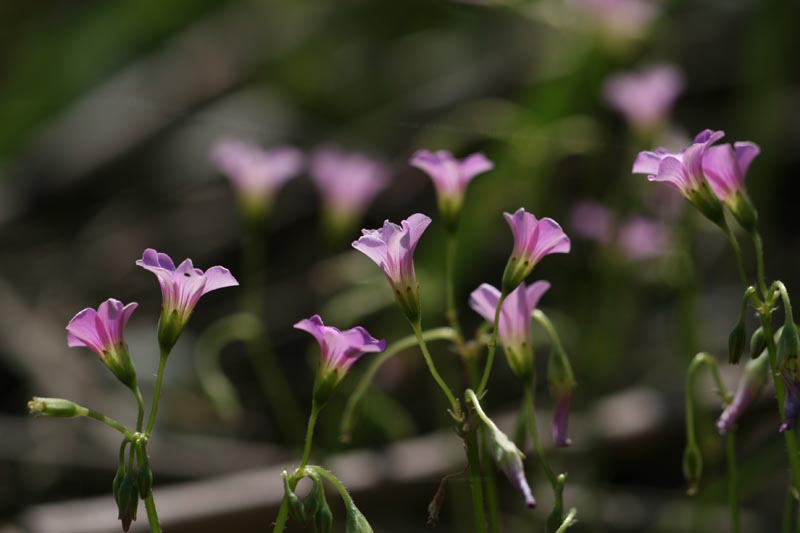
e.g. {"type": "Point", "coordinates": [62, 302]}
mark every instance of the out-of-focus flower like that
{"type": "Point", "coordinates": [515, 321]}
{"type": "Point", "coordinates": [450, 178]}
{"type": "Point", "coordinates": [181, 288]}
{"type": "Point", "coordinates": [725, 168]}
{"type": "Point", "coordinates": [102, 332]}
{"type": "Point", "coordinates": [642, 238]}
{"type": "Point", "coordinates": [533, 239]}
{"type": "Point", "coordinates": [755, 377]}
{"type": "Point", "coordinates": [592, 220]}
{"type": "Point", "coordinates": [684, 172]}
{"type": "Point", "coordinates": [347, 182]}
{"type": "Point", "coordinates": [559, 428]}
{"type": "Point", "coordinates": [340, 349]}
{"type": "Point", "coordinates": [645, 97]}
{"type": "Point", "coordinates": [619, 20]}
{"type": "Point", "coordinates": [392, 249]}
{"type": "Point", "coordinates": [256, 173]}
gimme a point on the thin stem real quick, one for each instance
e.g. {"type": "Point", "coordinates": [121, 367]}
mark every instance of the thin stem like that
{"type": "Point", "coordinates": [476, 480]}
{"type": "Point", "coordinates": [450, 299]}
{"type": "Point", "coordinates": [152, 514]}
{"type": "Point", "coordinates": [432, 368]}
{"type": "Point", "coordinates": [762, 280]}
{"type": "Point", "coordinates": [348, 500]}
{"type": "Point", "coordinates": [529, 396]}
{"type": "Point", "coordinates": [162, 363]}
{"type": "Point", "coordinates": [100, 417]}
{"type": "Point", "coordinates": [140, 403]}
{"type": "Point", "coordinates": [492, 345]}
{"type": "Point", "coordinates": [733, 482]}
{"type": "Point", "coordinates": [788, 511]}
{"type": "Point", "coordinates": [569, 521]}
{"type": "Point", "coordinates": [738, 252]}
{"type": "Point", "coordinates": [283, 515]}
{"type": "Point", "coordinates": [312, 421]}
{"type": "Point", "coordinates": [492, 502]}
{"type": "Point", "coordinates": [348, 417]}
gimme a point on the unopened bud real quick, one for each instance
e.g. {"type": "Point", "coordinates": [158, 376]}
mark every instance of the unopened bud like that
{"type": "Point", "coordinates": [117, 483]}
{"type": "Point", "coordinates": [296, 506]}
{"type": "Point", "coordinates": [789, 351]}
{"type": "Point", "coordinates": [316, 507]}
{"type": "Point", "coordinates": [736, 343]}
{"type": "Point", "coordinates": [561, 381]}
{"type": "Point", "coordinates": [356, 522]}
{"type": "Point", "coordinates": [758, 343]}
{"type": "Point", "coordinates": [128, 503]}
{"type": "Point", "coordinates": [692, 467]}
{"type": "Point", "coordinates": [55, 407]}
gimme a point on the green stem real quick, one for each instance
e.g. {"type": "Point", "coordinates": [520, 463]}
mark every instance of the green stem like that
{"type": "Point", "coordinates": [312, 421]}
{"type": "Point", "coordinates": [530, 397]}
{"type": "Point", "coordinates": [283, 515]}
{"type": "Point", "coordinates": [432, 368]}
{"type": "Point", "coordinates": [492, 502]}
{"type": "Point", "coordinates": [140, 403]}
{"type": "Point", "coordinates": [449, 273]}
{"type": "Point", "coordinates": [162, 363]}
{"type": "Point", "coordinates": [346, 498]}
{"type": "Point", "coordinates": [476, 479]}
{"type": "Point", "coordinates": [762, 280]}
{"type": "Point", "coordinates": [569, 521]}
{"type": "Point", "coordinates": [100, 417]}
{"type": "Point", "coordinates": [492, 346]}
{"type": "Point", "coordinates": [733, 482]}
{"type": "Point", "coordinates": [788, 512]}
{"type": "Point", "coordinates": [152, 514]}
{"type": "Point", "coordinates": [738, 252]}
{"type": "Point", "coordinates": [349, 415]}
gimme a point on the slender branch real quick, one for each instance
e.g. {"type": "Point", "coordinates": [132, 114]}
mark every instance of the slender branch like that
{"type": "Point", "coordinates": [738, 252]}
{"type": "Point", "coordinates": [492, 345]}
{"type": "Point", "coordinates": [569, 521]}
{"type": "Point", "coordinates": [152, 514]}
{"type": "Point", "coordinates": [312, 421]}
{"type": "Point", "coordinates": [537, 445]}
{"type": "Point", "coordinates": [476, 479]}
{"type": "Point", "coordinates": [450, 300]}
{"type": "Point", "coordinates": [157, 393]}
{"type": "Point", "coordinates": [432, 369]}
{"type": "Point", "coordinates": [733, 482]}
{"type": "Point", "coordinates": [140, 403]}
{"type": "Point", "coordinates": [762, 280]}
{"type": "Point", "coordinates": [100, 417]}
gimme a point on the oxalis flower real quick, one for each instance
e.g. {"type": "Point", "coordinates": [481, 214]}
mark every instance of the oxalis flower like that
{"type": "Point", "coordinates": [725, 168]}
{"type": "Point", "coordinates": [181, 288]}
{"type": "Point", "coordinates": [102, 332]}
{"type": "Point", "coordinates": [392, 249]}
{"type": "Point", "coordinates": [645, 97]}
{"type": "Point", "coordinates": [515, 321]}
{"type": "Point", "coordinates": [533, 239]}
{"type": "Point", "coordinates": [256, 173]}
{"type": "Point", "coordinates": [684, 172]}
{"type": "Point", "coordinates": [755, 377]}
{"type": "Point", "coordinates": [450, 178]}
{"type": "Point", "coordinates": [340, 349]}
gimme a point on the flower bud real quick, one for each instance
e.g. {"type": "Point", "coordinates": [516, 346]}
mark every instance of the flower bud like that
{"type": "Point", "coordinates": [316, 507]}
{"type": "Point", "coordinates": [296, 506]}
{"type": "Point", "coordinates": [128, 502]}
{"type": "Point", "coordinates": [55, 407]}
{"type": "Point", "coordinates": [356, 522]}
{"type": "Point", "coordinates": [556, 516]}
{"type": "Point", "coordinates": [755, 377]}
{"type": "Point", "coordinates": [145, 480]}
{"type": "Point", "coordinates": [561, 381]}
{"type": "Point", "coordinates": [789, 350]}
{"type": "Point", "coordinates": [692, 467]}
{"type": "Point", "coordinates": [117, 483]}
{"type": "Point", "coordinates": [736, 343]}
{"type": "Point", "coordinates": [758, 343]}
{"type": "Point", "coordinates": [509, 459]}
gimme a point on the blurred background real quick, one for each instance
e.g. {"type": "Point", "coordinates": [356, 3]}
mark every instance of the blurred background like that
{"type": "Point", "coordinates": [108, 115]}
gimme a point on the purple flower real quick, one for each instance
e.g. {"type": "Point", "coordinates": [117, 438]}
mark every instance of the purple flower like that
{"type": "Point", "coordinates": [392, 249]}
{"type": "Point", "coordinates": [645, 98]}
{"type": "Point", "coordinates": [559, 427]}
{"type": "Point", "coordinates": [450, 177]}
{"type": "Point", "coordinates": [181, 288]}
{"type": "Point", "coordinates": [725, 168]}
{"type": "Point", "coordinates": [340, 349]}
{"type": "Point", "coordinates": [684, 172]}
{"type": "Point", "coordinates": [592, 220]}
{"type": "Point", "coordinates": [641, 238]}
{"type": "Point", "coordinates": [533, 239]}
{"type": "Point", "coordinates": [515, 320]}
{"type": "Point", "coordinates": [256, 173]}
{"type": "Point", "coordinates": [102, 332]}
{"type": "Point", "coordinates": [347, 181]}
{"type": "Point", "coordinates": [509, 458]}
{"type": "Point", "coordinates": [791, 407]}
{"type": "Point", "coordinates": [753, 381]}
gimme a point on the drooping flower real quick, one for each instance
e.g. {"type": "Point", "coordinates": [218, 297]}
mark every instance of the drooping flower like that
{"type": "Point", "coordinates": [392, 249]}
{"type": "Point", "coordinates": [347, 182]}
{"type": "Point", "coordinates": [515, 321]}
{"type": "Point", "coordinates": [753, 381]}
{"type": "Point", "coordinates": [101, 331]}
{"type": "Point", "coordinates": [561, 382]}
{"type": "Point", "coordinates": [725, 168]}
{"type": "Point", "coordinates": [559, 428]}
{"type": "Point", "coordinates": [340, 349]}
{"type": "Point", "coordinates": [181, 288]}
{"type": "Point", "coordinates": [684, 172]}
{"type": "Point", "coordinates": [645, 97]}
{"type": "Point", "coordinates": [642, 238]}
{"type": "Point", "coordinates": [256, 173]}
{"type": "Point", "coordinates": [450, 178]}
{"type": "Point", "coordinates": [592, 220]}
{"type": "Point", "coordinates": [533, 239]}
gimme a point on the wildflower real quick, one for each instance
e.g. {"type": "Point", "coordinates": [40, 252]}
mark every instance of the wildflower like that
{"type": "Point", "coordinates": [181, 288]}
{"type": "Point", "coordinates": [533, 239]}
{"type": "Point", "coordinates": [101, 331]}
{"type": "Point", "coordinates": [725, 168]}
{"type": "Point", "coordinates": [254, 172]}
{"type": "Point", "coordinates": [684, 172]}
{"type": "Point", "coordinates": [558, 429]}
{"type": "Point", "coordinates": [450, 178]}
{"type": "Point", "coordinates": [340, 349]}
{"type": "Point", "coordinates": [645, 98]}
{"type": "Point", "coordinates": [392, 249]}
{"type": "Point", "coordinates": [592, 220]}
{"type": "Point", "coordinates": [515, 321]}
{"type": "Point", "coordinates": [561, 382]}
{"type": "Point", "coordinates": [347, 181]}
{"type": "Point", "coordinates": [643, 238]}
{"type": "Point", "coordinates": [755, 377]}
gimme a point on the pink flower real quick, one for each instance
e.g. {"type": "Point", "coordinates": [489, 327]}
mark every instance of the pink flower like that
{"type": "Point", "coordinates": [450, 177]}
{"type": "Point", "coordinates": [181, 288]}
{"type": "Point", "coordinates": [392, 249]}
{"type": "Point", "coordinates": [559, 426]}
{"type": "Point", "coordinates": [643, 238]}
{"type": "Point", "coordinates": [592, 220]}
{"type": "Point", "coordinates": [533, 240]}
{"type": "Point", "coordinates": [340, 349]}
{"type": "Point", "coordinates": [347, 181]}
{"type": "Point", "coordinates": [515, 320]}
{"type": "Point", "coordinates": [725, 168]}
{"type": "Point", "coordinates": [645, 98]}
{"type": "Point", "coordinates": [102, 332]}
{"type": "Point", "coordinates": [256, 173]}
